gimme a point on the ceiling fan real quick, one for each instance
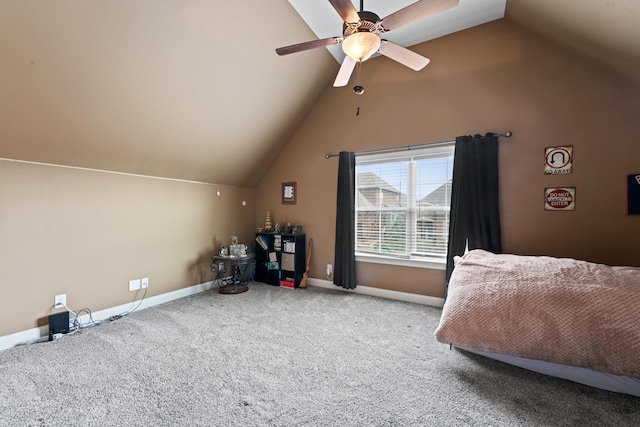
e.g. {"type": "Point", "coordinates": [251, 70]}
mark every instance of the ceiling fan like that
{"type": "Point", "coordinates": [361, 35]}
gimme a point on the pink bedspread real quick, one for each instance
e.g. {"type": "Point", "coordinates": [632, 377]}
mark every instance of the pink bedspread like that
{"type": "Point", "coordinates": [554, 309]}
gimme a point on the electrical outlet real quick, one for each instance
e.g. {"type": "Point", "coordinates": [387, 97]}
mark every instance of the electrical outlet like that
{"type": "Point", "coordinates": [134, 285]}
{"type": "Point", "coordinates": [144, 283]}
{"type": "Point", "coordinates": [329, 270]}
{"type": "Point", "coordinates": [60, 300]}
{"type": "Point", "coordinates": [220, 267]}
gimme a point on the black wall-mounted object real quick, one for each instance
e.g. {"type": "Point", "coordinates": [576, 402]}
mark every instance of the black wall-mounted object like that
{"type": "Point", "coordinates": [633, 194]}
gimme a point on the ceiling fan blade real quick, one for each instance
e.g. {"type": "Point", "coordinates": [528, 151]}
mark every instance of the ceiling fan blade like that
{"type": "Point", "coordinates": [415, 12]}
{"type": "Point", "coordinates": [344, 74]}
{"type": "Point", "coordinates": [403, 55]}
{"type": "Point", "coordinates": [346, 10]}
{"type": "Point", "coordinates": [286, 50]}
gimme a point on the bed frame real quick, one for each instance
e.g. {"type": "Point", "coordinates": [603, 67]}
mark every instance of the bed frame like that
{"type": "Point", "coordinates": [601, 380]}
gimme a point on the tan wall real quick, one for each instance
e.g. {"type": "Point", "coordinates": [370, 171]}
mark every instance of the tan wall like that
{"type": "Point", "coordinates": [491, 78]}
{"type": "Point", "coordinates": [87, 233]}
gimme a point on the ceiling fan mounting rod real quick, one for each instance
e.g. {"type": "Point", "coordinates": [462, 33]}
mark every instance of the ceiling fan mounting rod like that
{"type": "Point", "coordinates": [369, 22]}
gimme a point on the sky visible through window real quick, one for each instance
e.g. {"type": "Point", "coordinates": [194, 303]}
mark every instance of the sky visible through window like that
{"type": "Point", "coordinates": [431, 174]}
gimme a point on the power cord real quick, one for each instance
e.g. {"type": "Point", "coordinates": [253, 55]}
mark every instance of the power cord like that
{"type": "Point", "coordinates": [76, 326]}
{"type": "Point", "coordinates": [126, 313]}
{"type": "Point", "coordinates": [76, 320]}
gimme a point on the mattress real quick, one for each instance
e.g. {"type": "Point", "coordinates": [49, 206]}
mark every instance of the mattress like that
{"type": "Point", "coordinates": [558, 312]}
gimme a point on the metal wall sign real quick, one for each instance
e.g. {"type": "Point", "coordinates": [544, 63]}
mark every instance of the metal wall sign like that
{"type": "Point", "coordinates": [558, 160]}
{"type": "Point", "coordinates": [560, 199]}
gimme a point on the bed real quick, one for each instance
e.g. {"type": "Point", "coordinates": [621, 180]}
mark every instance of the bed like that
{"type": "Point", "coordinates": [559, 316]}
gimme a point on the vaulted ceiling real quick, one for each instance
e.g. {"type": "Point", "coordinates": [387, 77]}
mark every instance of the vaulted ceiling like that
{"type": "Point", "coordinates": [194, 90]}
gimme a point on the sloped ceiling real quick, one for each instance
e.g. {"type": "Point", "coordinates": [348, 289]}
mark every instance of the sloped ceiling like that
{"type": "Point", "coordinates": [608, 32]}
{"type": "Point", "coordinates": [181, 89]}
{"type": "Point", "coordinates": [194, 90]}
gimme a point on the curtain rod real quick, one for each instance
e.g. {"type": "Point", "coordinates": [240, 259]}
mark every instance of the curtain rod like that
{"type": "Point", "coordinates": [507, 134]}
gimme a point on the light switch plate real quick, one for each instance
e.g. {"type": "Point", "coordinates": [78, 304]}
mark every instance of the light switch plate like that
{"type": "Point", "coordinates": [134, 285]}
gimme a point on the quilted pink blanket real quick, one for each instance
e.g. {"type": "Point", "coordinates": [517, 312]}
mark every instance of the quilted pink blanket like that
{"type": "Point", "coordinates": [554, 309]}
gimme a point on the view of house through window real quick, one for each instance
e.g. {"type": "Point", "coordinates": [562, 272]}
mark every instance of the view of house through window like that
{"type": "Point", "coordinates": [403, 202]}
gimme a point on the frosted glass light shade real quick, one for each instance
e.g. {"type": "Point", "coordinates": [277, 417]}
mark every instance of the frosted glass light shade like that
{"type": "Point", "coordinates": [360, 46]}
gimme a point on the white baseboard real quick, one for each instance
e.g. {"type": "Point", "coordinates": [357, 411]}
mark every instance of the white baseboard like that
{"type": "Point", "coordinates": [382, 293]}
{"type": "Point", "coordinates": [28, 336]}
{"type": "Point", "coordinates": [37, 334]}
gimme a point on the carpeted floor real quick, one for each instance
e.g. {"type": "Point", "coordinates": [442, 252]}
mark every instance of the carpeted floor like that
{"type": "Point", "coordinates": [280, 357]}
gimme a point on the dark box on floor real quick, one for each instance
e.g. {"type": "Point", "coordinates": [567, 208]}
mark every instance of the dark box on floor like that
{"type": "Point", "coordinates": [58, 324]}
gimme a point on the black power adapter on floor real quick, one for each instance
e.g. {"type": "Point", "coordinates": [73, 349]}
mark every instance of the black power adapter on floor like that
{"type": "Point", "coordinates": [58, 324]}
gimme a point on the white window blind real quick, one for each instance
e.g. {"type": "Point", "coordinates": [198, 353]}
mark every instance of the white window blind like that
{"type": "Point", "coordinates": [403, 202]}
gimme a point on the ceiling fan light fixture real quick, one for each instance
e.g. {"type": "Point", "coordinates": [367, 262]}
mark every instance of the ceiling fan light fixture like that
{"type": "Point", "coordinates": [360, 46]}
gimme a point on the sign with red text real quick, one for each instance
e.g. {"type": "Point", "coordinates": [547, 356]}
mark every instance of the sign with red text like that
{"type": "Point", "coordinates": [560, 199]}
{"type": "Point", "coordinates": [558, 160]}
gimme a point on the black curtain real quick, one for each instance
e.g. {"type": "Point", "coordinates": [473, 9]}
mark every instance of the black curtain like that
{"type": "Point", "coordinates": [475, 203]}
{"type": "Point", "coordinates": [344, 273]}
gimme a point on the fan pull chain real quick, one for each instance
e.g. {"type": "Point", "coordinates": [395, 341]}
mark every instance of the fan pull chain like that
{"type": "Point", "coordinates": [359, 90]}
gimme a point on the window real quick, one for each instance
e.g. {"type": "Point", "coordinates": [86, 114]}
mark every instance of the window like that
{"type": "Point", "coordinates": [403, 202]}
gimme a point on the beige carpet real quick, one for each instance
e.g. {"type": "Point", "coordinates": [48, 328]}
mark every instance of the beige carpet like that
{"type": "Point", "coordinates": [280, 357]}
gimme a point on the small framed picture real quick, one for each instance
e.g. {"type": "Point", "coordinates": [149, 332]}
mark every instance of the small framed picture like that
{"type": "Point", "coordinates": [288, 193]}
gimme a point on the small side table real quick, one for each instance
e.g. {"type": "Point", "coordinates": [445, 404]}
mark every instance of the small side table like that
{"type": "Point", "coordinates": [234, 267]}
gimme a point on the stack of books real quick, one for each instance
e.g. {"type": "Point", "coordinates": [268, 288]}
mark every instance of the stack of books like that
{"type": "Point", "coordinates": [289, 284]}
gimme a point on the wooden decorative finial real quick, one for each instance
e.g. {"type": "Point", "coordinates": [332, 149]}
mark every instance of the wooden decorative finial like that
{"type": "Point", "coordinates": [267, 222]}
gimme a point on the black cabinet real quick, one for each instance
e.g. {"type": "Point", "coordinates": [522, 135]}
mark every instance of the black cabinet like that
{"type": "Point", "coordinates": [280, 257]}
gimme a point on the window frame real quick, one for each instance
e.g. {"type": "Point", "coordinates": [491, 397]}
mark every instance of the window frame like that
{"type": "Point", "coordinates": [441, 150]}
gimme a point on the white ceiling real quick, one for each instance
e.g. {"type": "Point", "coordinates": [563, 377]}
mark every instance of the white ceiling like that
{"type": "Point", "coordinates": [325, 22]}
